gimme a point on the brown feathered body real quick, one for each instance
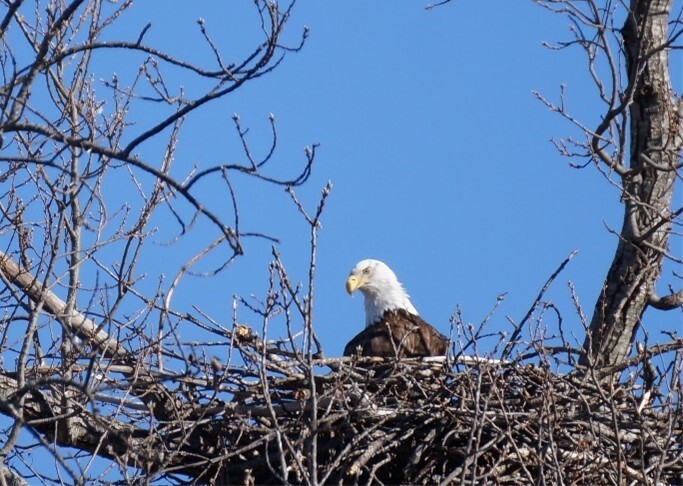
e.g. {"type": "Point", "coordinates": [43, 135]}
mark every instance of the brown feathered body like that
{"type": "Point", "coordinates": [398, 334]}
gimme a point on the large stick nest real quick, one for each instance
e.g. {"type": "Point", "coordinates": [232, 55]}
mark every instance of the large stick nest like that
{"type": "Point", "coordinates": [428, 422]}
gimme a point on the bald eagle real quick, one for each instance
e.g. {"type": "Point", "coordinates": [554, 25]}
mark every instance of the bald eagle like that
{"type": "Point", "coordinates": [393, 327]}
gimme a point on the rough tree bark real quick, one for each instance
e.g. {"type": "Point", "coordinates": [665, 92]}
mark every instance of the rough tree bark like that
{"type": "Point", "coordinates": [648, 182]}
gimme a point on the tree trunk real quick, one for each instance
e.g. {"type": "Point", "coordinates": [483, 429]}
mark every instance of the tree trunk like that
{"type": "Point", "coordinates": [655, 137]}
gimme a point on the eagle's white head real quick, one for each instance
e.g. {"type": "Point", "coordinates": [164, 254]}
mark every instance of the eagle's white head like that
{"type": "Point", "coordinates": [381, 289]}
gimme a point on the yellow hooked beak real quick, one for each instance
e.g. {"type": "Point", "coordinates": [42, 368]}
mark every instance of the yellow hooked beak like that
{"type": "Point", "coordinates": [352, 283]}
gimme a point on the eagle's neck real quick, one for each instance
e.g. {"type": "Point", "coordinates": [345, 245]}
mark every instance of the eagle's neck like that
{"type": "Point", "coordinates": [387, 298]}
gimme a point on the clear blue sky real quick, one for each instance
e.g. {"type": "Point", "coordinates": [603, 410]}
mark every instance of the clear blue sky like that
{"type": "Point", "coordinates": [439, 154]}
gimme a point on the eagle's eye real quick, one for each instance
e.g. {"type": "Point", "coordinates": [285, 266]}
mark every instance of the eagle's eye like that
{"type": "Point", "coordinates": [366, 270]}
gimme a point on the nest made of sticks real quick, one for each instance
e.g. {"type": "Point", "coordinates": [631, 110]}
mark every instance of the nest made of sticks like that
{"type": "Point", "coordinates": [430, 422]}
